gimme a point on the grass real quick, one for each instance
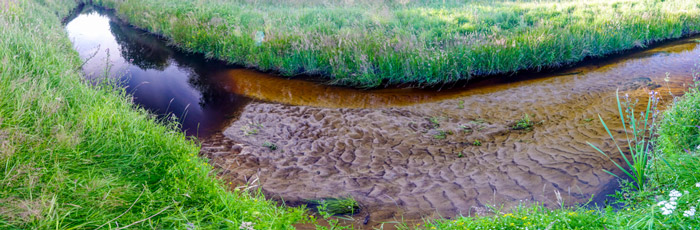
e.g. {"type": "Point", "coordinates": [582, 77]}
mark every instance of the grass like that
{"type": "Point", "coordinates": [336, 206]}
{"type": "Point", "coordinates": [525, 217]}
{"type": "Point", "coordinates": [524, 123]}
{"type": "Point", "coordinates": [640, 132]}
{"type": "Point", "coordinates": [476, 143]}
{"type": "Point", "coordinates": [76, 156]}
{"type": "Point", "coordinates": [270, 145]}
{"type": "Point", "coordinates": [419, 42]}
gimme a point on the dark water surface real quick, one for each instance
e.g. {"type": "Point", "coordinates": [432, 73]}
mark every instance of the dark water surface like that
{"type": "Point", "coordinates": [160, 78]}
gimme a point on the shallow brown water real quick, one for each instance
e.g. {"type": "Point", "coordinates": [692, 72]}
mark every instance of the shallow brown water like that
{"type": "Point", "coordinates": [380, 146]}
{"type": "Point", "coordinates": [376, 147]}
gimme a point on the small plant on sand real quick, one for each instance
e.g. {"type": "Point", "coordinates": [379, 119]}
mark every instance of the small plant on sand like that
{"type": "Point", "coordinates": [525, 123]}
{"type": "Point", "coordinates": [435, 121]}
{"type": "Point", "coordinates": [477, 143]}
{"type": "Point", "coordinates": [330, 207]}
{"type": "Point", "coordinates": [466, 129]}
{"type": "Point", "coordinates": [270, 145]}
{"type": "Point", "coordinates": [460, 104]}
{"type": "Point", "coordinates": [251, 128]}
{"type": "Point", "coordinates": [639, 132]}
{"type": "Point", "coordinates": [441, 134]}
{"type": "Point", "coordinates": [336, 206]}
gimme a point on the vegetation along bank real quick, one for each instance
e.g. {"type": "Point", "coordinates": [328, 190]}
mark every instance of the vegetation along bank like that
{"type": "Point", "coordinates": [421, 42]}
{"type": "Point", "coordinates": [77, 156]}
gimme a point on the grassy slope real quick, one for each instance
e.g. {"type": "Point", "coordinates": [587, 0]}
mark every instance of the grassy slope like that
{"type": "Point", "coordinates": [77, 156]}
{"type": "Point", "coordinates": [365, 43]}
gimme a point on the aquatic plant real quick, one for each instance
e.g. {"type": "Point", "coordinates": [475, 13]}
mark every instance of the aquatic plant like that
{"type": "Point", "coordinates": [435, 121]}
{"type": "Point", "coordinates": [251, 128]}
{"type": "Point", "coordinates": [336, 206]}
{"type": "Point", "coordinates": [523, 124]}
{"type": "Point", "coordinates": [270, 145]}
{"type": "Point", "coordinates": [639, 132]}
{"type": "Point", "coordinates": [440, 135]}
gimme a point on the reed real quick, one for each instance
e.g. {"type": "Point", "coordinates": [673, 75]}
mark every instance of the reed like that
{"type": "Point", "coordinates": [640, 132]}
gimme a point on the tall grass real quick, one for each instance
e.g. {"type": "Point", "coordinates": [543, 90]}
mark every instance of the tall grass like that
{"type": "Point", "coordinates": [420, 42]}
{"type": "Point", "coordinates": [77, 156]}
{"type": "Point", "coordinates": [639, 133]}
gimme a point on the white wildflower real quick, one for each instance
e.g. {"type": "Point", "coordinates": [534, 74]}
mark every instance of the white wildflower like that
{"type": "Point", "coordinates": [690, 212]}
{"type": "Point", "coordinates": [675, 193]}
{"type": "Point", "coordinates": [667, 207]}
{"type": "Point", "coordinates": [247, 226]}
{"type": "Point", "coordinates": [666, 212]}
{"type": "Point", "coordinates": [697, 184]}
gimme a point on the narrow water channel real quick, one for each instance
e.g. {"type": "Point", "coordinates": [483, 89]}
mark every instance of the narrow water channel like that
{"type": "Point", "coordinates": [163, 80]}
{"type": "Point", "coordinates": [402, 153]}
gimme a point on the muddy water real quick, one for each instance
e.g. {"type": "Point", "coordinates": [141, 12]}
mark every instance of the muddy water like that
{"type": "Point", "coordinates": [402, 153]}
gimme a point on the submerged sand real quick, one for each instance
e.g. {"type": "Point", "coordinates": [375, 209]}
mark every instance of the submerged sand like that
{"type": "Point", "coordinates": [421, 160]}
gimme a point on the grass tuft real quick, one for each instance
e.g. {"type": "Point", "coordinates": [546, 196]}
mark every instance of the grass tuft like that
{"type": "Point", "coordinates": [525, 123]}
{"type": "Point", "coordinates": [336, 206]}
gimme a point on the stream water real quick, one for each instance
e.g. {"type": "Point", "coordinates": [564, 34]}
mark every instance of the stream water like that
{"type": "Point", "coordinates": [402, 153]}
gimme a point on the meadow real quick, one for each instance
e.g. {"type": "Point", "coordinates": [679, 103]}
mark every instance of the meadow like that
{"type": "Point", "coordinates": [414, 43]}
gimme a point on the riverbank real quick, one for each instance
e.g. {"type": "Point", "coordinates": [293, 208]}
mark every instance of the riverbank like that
{"type": "Point", "coordinates": [419, 43]}
{"type": "Point", "coordinates": [80, 156]}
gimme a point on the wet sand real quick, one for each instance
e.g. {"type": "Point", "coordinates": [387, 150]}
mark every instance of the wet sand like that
{"type": "Point", "coordinates": [420, 161]}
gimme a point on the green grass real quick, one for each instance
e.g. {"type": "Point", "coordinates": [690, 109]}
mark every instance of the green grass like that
{"type": "Point", "coordinates": [336, 206]}
{"type": "Point", "coordinates": [524, 123]}
{"type": "Point", "coordinates": [525, 217]}
{"type": "Point", "coordinates": [419, 42]}
{"type": "Point", "coordinates": [75, 156]}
